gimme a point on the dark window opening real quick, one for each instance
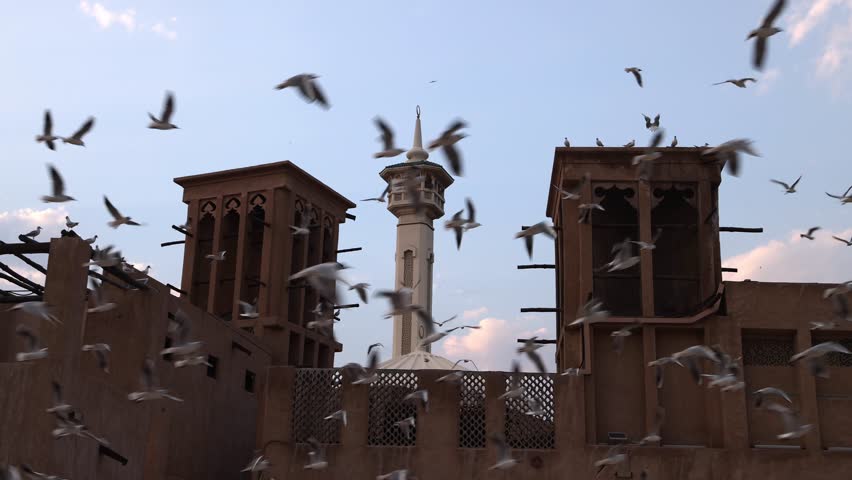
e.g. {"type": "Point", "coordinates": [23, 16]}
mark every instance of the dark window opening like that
{"type": "Point", "coordinates": [167, 344]}
{"type": "Point", "coordinates": [213, 366]}
{"type": "Point", "coordinates": [314, 256]}
{"type": "Point", "coordinates": [621, 290]}
{"type": "Point", "coordinates": [202, 267]}
{"type": "Point", "coordinates": [293, 353]}
{"type": "Point", "coordinates": [248, 385]}
{"type": "Point", "coordinates": [253, 254]}
{"type": "Point", "coordinates": [676, 256]}
{"type": "Point", "coordinates": [297, 263]}
{"type": "Point", "coordinates": [228, 267]}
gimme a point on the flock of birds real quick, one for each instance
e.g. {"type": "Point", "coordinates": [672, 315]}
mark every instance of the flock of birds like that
{"type": "Point", "coordinates": [324, 278]}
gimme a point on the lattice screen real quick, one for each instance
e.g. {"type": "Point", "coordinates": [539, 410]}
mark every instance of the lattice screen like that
{"type": "Point", "coordinates": [387, 408]}
{"type": "Point", "coordinates": [840, 359]}
{"type": "Point", "coordinates": [531, 431]}
{"type": "Point", "coordinates": [767, 351]}
{"type": "Point", "coordinates": [472, 411]}
{"type": "Point", "coordinates": [318, 393]}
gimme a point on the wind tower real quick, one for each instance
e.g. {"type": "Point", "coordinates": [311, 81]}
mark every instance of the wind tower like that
{"type": "Point", "coordinates": [415, 238]}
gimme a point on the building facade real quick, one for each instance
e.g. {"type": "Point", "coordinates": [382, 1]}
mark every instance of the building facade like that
{"type": "Point", "coordinates": [212, 432]}
{"type": "Point", "coordinates": [674, 296]}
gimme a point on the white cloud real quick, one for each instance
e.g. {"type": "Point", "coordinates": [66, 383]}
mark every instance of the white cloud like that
{"type": "Point", "coordinates": [475, 313]}
{"type": "Point", "coordinates": [822, 260]}
{"type": "Point", "coordinates": [804, 21]}
{"type": "Point", "coordinates": [107, 18]}
{"type": "Point", "coordinates": [18, 222]}
{"type": "Point", "coordinates": [494, 345]}
{"type": "Point", "coordinates": [837, 49]}
{"type": "Point", "coordinates": [160, 29]}
{"type": "Point", "coordinates": [767, 80]}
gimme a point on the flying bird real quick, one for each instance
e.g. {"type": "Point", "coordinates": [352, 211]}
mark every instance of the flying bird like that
{"type": "Point", "coordinates": [635, 71]}
{"type": "Point", "coordinates": [529, 348]}
{"type": "Point", "coordinates": [420, 397]}
{"type": "Point", "coordinates": [653, 436]}
{"type": "Point", "coordinates": [258, 464]}
{"type": "Point", "coordinates": [308, 87]}
{"type": "Point", "coordinates": [34, 350]}
{"type": "Point", "coordinates": [58, 195]}
{"type": "Point", "coordinates": [847, 242]}
{"type": "Point", "coordinates": [47, 135]}
{"type": "Point", "coordinates": [456, 223]}
{"type": "Point", "coordinates": [316, 455]}
{"type": "Point", "coordinates": [810, 234]}
{"type": "Point", "coordinates": [216, 257]}
{"type": "Point", "coordinates": [387, 140]}
{"type": "Point", "coordinates": [304, 227]}
{"type": "Point", "coordinates": [591, 311]}
{"type": "Point", "coordinates": [100, 351]}
{"type": "Point", "coordinates": [361, 289]}
{"type": "Point", "coordinates": [505, 460]}
{"type": "Point", "coordinates": [100, 304]}
{"type": "Point", "coordinates": [728, 152]}
{"type": "Point", "coordinates": [117, 218]}
{"type": "Point", "coordinates": [759, 395]}
{"type": "Point", "coordinates": [371, 347]}
{"type": "Point", "coordinates": [763, 33]}
{"type": "Point", "coordinates": [787, 188]}
{"type": "Point", "coordinates": [77, 137]}
{"type": "Point", "coordinates": [814, 357]}
{"type": "Point", "coordinates": [742, 82]}
{"type": "Point", "coordinates": [151, 389]}
{"type": "Point", "coordinates": [322, 278]}
{"type": "Point", "coordinates": [516, 390]}
{"type": "Point", "coordinates": [60, 406]}
{"type": "Point", "coordinates": [248, 310]}
{"type": "Point", "coordinates": [338, 415]}
{"type": "Point", "coordinates": [529, 233]}
{"type": "Point", "coordinates": [164, 122]}
{"type": "Point", "coordinates": [793, 426]}
{"type": "Point", "coordinates": [37, 309]}
{"type": "Point", "coordinates": [380, 198]}
{"type": "Point", "coordinates": [845, 198]}
{"type": "Point", "coordinates": [652, 245]}
{"type": "Point", "coordinates": [652, 126]}
{"type": "Point", "coordinates": [575, 192]}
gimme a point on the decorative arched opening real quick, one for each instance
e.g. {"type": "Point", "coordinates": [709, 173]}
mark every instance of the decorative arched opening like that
{"type": "Point", "coordinates": [200, 289]}
{"type": "Point", "coordinates": [255, 227]}
{"type": "Point", "coordinates": [314, 252]}
{"type": "Point", "coordinates": [620, 290]}
{"type": "Point", "coordinates": [227, 272]}
{"type": "Point", "coordinates": [676, 257]}
{"type": "Point", "coordinates": [297, 263]}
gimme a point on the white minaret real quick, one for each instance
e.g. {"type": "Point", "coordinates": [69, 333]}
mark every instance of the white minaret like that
{"type": "Point", "coordinates": [415, 237]}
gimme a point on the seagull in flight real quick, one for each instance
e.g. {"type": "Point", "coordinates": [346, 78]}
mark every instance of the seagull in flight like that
{"type": "Point", "coordinates": [322, 278]}
{"type": "Point", "coordinates": [586, 211]}
{"type": "Point", "coordinates": [34, 350]}
{"type": "Point", "coordinates": [759, 395]}
{"type": "Point", "coordinates": [361, 289]}
{"type": "Point", "coordinates": [814, 357]}
{"type": "Point", "coordinates": [787, 188]}
{"type": "Point", "coordinates": [847, 242]}
{"type": "Point", "coordinates": [216, 257]}
{"type": "Point", "coordinates": [505, 460]}
{"type": "Point", "coordinates": [47, 135]}
{"type": "Point", "coordinates": [117, 218]}
{"type": "Point", "coordinates": [652, 126]}
{"type": "Point", "coordinates": [308, 87]}
{"type": "Point", "coordinates": [375, 345]}
{"type": "Point", "coordinates": [529, 233]}
{"type": "Point", "coordinates": [810, 234]}
{"type": "Point", "coordinates": [635, 71]}
{"type": "Point", "coordinates": [99, 350]}
{"type": "Point", "coordinates": [37, 309]}
{"type": "Point", "coordinates": [456, 223]}
{"type": "Point", "coordinates": [77, 137]}
{"type": "Point", "coordinates": [793, 426]}
{"type": "Point", "coordinates": [447, 142]}
{"type": "Point", "coordinates": [845, 198]}
{"type": "Point", "coordinates": [529, 348]}
{"type": "Point", "coordinates": [380, 198]}
{"type": "Point", "coordinates": [151, 391]}
{"type": "Point", "coordinates": [741, 82]}
{"type": "Point", "coordinates": [58, 195]}
{"type": "Point", "coordinates": [98, 299]}
{"type": "Point", "coordinates": [247, 310]}
{"type": "Point", "coordinates": [649, 246]}
{"type": "Point", "coordinates": [257, 464]}
{"type": "Point", "coordinates": [387, 140]}
{"type": "Point", "coordinates": [575, 192]}
{"type": "Point", "coordinates": [728, 152]}
{"type": "Point", "coordinates": [164, 122]}
{"type": "Point", "coordinates": [765, 31]}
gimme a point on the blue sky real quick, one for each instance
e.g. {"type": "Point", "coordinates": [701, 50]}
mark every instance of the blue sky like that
{"type": "Point", "coordinates": [523, 75]}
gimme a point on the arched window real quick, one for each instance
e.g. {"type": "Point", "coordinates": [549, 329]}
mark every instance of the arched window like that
{"type": "Point", "coordinates": [255, 227]}
{"type": "Point", "coordinates": [297, 263]}
{"type": "Point", "coordinates": [228, 267]}
{"type": "Point", "coordinates": [204, 246]}
{"type": "Point", "coordinates": [620, 290]}
{"type": "Point", "coordinates": [676, 256]}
